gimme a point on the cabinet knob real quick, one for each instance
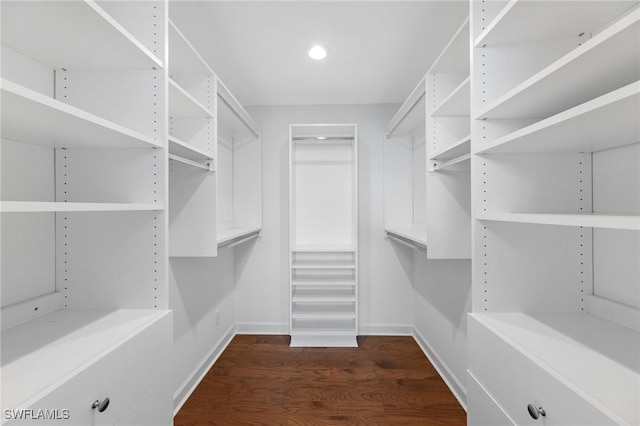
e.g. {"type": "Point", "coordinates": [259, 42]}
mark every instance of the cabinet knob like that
{"type": "Point", "coordinates": [536, 412]}
{"type": "Point", "coordinates": [100, 405]}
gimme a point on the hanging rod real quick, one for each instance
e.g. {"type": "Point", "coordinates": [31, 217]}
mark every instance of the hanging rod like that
{"type": "Point", "coordinates": [407, 242]}
{"type": "Point", "coordinates": [238, 240]}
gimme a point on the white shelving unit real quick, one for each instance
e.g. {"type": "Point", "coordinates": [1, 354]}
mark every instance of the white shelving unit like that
{"type": "Point", "coordinates": [448, 150]}
{"type": "Point", "coordinates": [556, 208]}
{"type": "Point", "coordinates": [214, 159]}
{"type": "Point", "coordinates": [323, 200]}
{"type": "Point", "coordinates": [427, 159]}
{"type": "Point", "coordinates": [83, 227]}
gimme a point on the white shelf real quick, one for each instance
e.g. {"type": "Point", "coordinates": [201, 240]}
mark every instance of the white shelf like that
{"type": "Point", "coordinates": [454, 58]}
{"type": "Point", "coordinates": [72, 35]}
{"type": "Point", "coordinates": [455, 150]}
{"type": "Point", "coordinates": [186, 150]}
{"type": "Point", "coordinates": [569, 344]}
{"type": "Point", "coordinates": [607, 62]}
{"type": "Point", "coordinates": [324, 249]}
{"type": "Point", "coordinates": [606, 122]}
{"type": "Point", "coordinates": [43, 207]}
{"type": "Point", "coordinates": [234, 116]}
{"type": "Point", "coordinates": [522, 20]}
{"type": "Point", "coordinates": [324, 311]}
{"type": "Point", "coordinates": [323, 295]}
{"type": "Point", "coordinates": [459, 160]}
{"type": "Point", "coordinates": [320, 280]}
{"type": "Point", "coordinates": [411, 113]}
{"type": "Point", "coordinates": [327, 327]}
{"type": "Point", "coordinates": [53, 348]}
{"type": "Point", "coordinates": [457, 103]}
{"type": "Point", "coordinates": [590, 220]}
{"type": "Point", "coordinates": [184, 59]}
{"type": "Point", "coordinates": [190, 164]}
{"type": "Point", "coordinates": [28, 116]}
{"type": "Point", "coordinates": [324, 264]}
{"type": "Point", "coordinates": [183, 105]}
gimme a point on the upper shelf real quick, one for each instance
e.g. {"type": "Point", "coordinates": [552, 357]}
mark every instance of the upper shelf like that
{"type": "Point", "coordinates": [457, 103]}
{"type": "Point", "coordinates": [184, 59]}
{"type": "Point", "coordinates": [455, 57]}
{"type": "Point", "coordinates": [606, 122]}
{"type": "Point", "coordinates": [411, 113]}
{"type": "Point", "coordinates": [607, 62]}
{"type": "Point", "coordinates": [522, 20]}
{"type": "Point", "coordinates": [72, 35]}
{"type": "Point", "coordinates": [232, 115]}
{"type": "Point", "coordinates": [589, 220]}
{"type": "Point", "coordinates": [29, 116]}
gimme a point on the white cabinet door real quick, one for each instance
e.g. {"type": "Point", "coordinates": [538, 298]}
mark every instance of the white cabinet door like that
{"type": "Point", "coordinates": [515, 381]}
{"type": "Point", "coordinates": [123, 375]}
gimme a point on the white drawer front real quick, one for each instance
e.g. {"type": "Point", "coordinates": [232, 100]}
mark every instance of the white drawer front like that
{"type": "Point", "coordinates": [482, 410]}
{"type": "Point", "coordinates": [155, 408]}
{"type": "Point", "coordinates": [515, 381]}
{"type": "Point", "coordinates": [123, 375]}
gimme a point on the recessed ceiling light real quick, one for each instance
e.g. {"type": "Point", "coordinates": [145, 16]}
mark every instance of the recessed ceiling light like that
{"type": "Point", "coordinates": [318, 52]}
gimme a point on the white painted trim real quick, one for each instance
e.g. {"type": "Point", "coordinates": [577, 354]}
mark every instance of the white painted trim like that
{"type": "Point", "coordinates": [385, 330]}
{"type": "Point", "coordinates": [191, 383]}
{"type": "Point", "coordinates": [457, 388]}
{"type": "Point", "coordinates": [262, 328]}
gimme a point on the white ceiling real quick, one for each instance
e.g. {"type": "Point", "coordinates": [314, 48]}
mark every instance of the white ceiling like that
{"type": "Point", "coordinates": [378, 50]}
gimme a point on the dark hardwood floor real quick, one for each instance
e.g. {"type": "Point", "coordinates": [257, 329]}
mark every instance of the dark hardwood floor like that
{"type": "Point", "coordinates": [261, 380]}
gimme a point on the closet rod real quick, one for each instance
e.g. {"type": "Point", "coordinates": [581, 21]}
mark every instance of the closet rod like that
{"type": "Point", "coordinates": [407, 242]}
{"type": "Point", "coordinates": [238, 240]}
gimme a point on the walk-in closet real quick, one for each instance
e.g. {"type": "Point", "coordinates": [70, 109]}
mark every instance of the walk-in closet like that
{"type": "Point", "coordinates": [320, 212]}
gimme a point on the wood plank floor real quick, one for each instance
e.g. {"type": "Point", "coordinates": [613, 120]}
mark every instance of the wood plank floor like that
{"type": "Point", "coordinates": [261, 380]}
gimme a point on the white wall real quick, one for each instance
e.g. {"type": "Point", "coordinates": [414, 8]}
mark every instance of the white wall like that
{"type": "Point", "coordinates": [200, 289]}
{"type": "Point", "coordinates": [440, 306]}
{"type": "Point", "coordinates": [262, 289]}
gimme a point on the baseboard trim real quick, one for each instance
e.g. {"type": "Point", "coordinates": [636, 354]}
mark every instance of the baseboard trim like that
{"type": "Point", "coordinates": [456, 387]}
{"type": "Point", "coordinates": [262, 328]}
{"type": "Point", "coordinates": [385, 330]}
{"type": "Point", "coordinates": [186, 389]}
